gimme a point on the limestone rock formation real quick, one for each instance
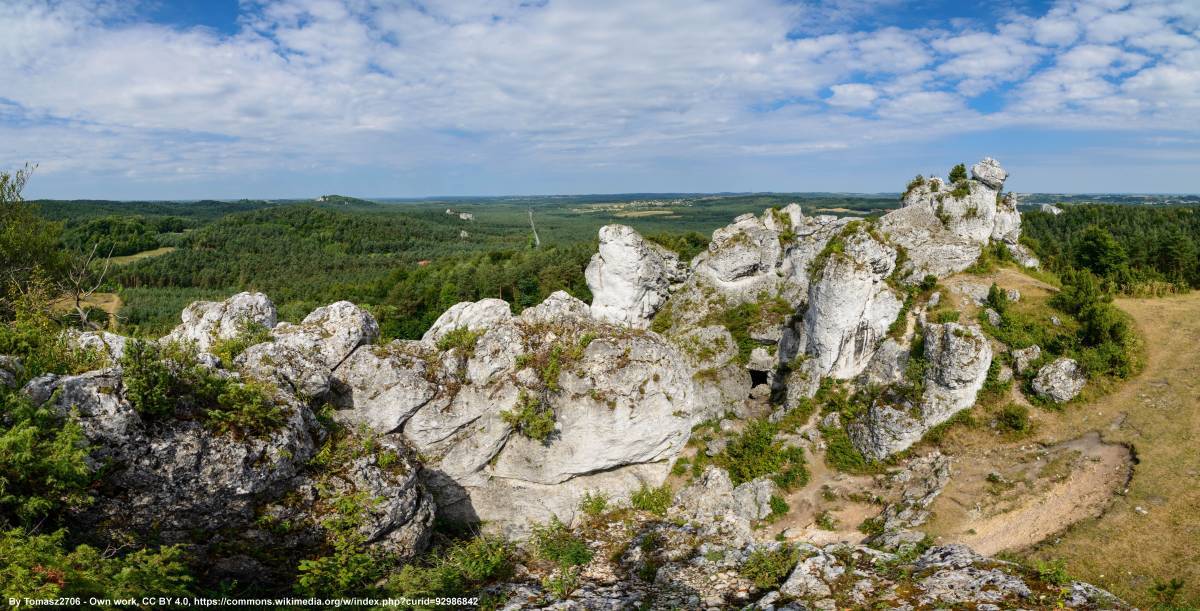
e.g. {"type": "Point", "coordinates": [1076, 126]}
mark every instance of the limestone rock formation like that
{"type": "Point", "coordinates": [630, 277]}
{"type": "Point", "coordinates": [108, 344]}
{"type": "Point", "coordinates": [180, 480]}
{"type": "Point", "coordinates": [620, 399]}
{"type": "Point", "coordinates": [944, 227]}
{"type": "Point", "coordinates": [303, 356]}
{"type": "Point", "coordinates": [204, 322]}
{"type": "Point", "coordinates": [958, 358]}
{"type": "Point", "coordinates": [472, 315]}
{"type": "Point", "coordinates": [174, 475]}
{"type": "Point", "coordinates": [1060, 381]}
{"type": "Point", "coordinates": [851, 306]}
{"type": "Point", "coordinates": [713, 498]}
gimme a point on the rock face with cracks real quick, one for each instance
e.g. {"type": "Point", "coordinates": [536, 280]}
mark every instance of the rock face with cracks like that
{"type": "Point", "coordinates": [205, 322]}
{"type": "Point", "coordinates": [620, 402]}
{"type": "Point", "coordinates": [181, 482]}
{"type": "Point", "coordinates": [630, 277]}
{"type": "Point", "coordinates": [851, 306]}
{"type": "Point", "coordinates": [957, 359]}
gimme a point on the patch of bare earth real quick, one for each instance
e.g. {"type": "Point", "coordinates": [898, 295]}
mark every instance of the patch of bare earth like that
{"type": "Point", "coordinates": [1010, 497]}
{"type": "Point", "coordinates": [1060, 492]}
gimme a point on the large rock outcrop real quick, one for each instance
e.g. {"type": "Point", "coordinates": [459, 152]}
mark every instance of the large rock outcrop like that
{"type": "Point", "coordinates": [851, 305]}
{"type": "Point", "coordinates": [943, 227]}
{"type": "Point", "coordinates": [205, 322]}
{"type": "Point", "coordinates": [957, 361]}
{"type": "Point", "coordinates": [179, 479]}
{"type": "Point", "coordinates": [620, 399]}
{"type": "Point", "coordinates": [629, 277]}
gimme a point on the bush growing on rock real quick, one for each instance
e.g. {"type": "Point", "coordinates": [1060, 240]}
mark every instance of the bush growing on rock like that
{"type": "Point", "coordinates": [350, 567]}
{"type": "Point", "coordinates": [756, 453]}
{"type": "Point", "coordinates": [249, 334]}
{"type": "Point", "coordinates": [766, 567]}
{"type": "Point", "coordinates": [43, 461]}
{"type": "Point", "coordinates": [461, 338]}
{"type": "Point", "coordinates": [164, 381]}
{"type": "Point", "coordinates": [554, 542]}
{"type": "Point", "coordinates": [655, 500]}
{"type": "Point", "coordinates": [593, 503]}
{"type": "Point", "coordinates": [530, 418]}
{"type": "Point", "coordinates": [958, 173]}
{"type": "Point", "coordinates": [39, 566]}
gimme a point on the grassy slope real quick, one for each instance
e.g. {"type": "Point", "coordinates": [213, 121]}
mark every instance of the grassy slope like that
{"type": "Point", "coordinates": [1123, 550]}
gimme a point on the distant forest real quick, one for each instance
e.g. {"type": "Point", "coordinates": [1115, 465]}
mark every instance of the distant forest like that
{"type": "Point", "coordinates": [410, 260]}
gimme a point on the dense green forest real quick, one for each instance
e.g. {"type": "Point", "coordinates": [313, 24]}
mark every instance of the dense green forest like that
{"type": "Point", "coordinates": [1134, 249]}
{"type": "Point", "coordinates": [409, 260]}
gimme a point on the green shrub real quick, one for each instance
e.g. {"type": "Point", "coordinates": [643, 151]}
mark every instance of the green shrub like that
{"type": "Point", "coordinates": [350, 566]}
{"type": "Point", "coordinates": [552, 369]}
{"type": "Point", "coordinates": [755, 453]}
{"type": "Point", "coordinates": [961, 189]}
{"type": "Point", "coordinates": [958, 172]}
{"type": "Point", "coordinates": [945, 316]}
{"type": "Point", "coordinates": [593, 503]}
{"type": "Point", "coordinates": [530, 418]}
{"type": "Point", "coordinates": [840, 453]}
{"type": "Point", "coordinates": [740, 318]}
{"type": "Point", "coordinates": [556, 543]}
{"type": "Point", "coordinates": [246, 410]}
{"type": "Point", "coordinates": [655, 500]}
{"type": "Point", "coordinates": [461, 338]}
{"type": "Point", "coordinates": [414, 581]}
{"type": "Point", "coordinates": [1014, 417]}
{"type": "Point", "coordinates": [1053, 571]}
{"type": "Point", "coordinates": [39, 566]}
{"type": "Point", "coordinates": [463, 566]}
{"type": "Point", "coordinates": [997, 299]}
{"type": "Point", "coordinates": [43, 461]}
{"type": "Point", "coordinates": [872, 527]}
{"type": "Point", "coordinates": [562, 583]}
{"type": "Point", "coordinates": [161, 381]}
{"type": "Point", "coordinates": [779, 508]}
{"type": "Point", "coordinates": [480, 559]}
{"type": "Point", "coordinates": [249, 333]}
{"type": "Point", "coordinates": [151, 386]}
{"type": "Point", "coordinates": [826, 521]}
{"type": "Point", "coordinates": [766, 568]}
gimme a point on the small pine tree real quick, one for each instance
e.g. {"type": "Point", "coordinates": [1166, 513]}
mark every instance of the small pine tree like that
{"type": "Point", "coordinates": [958, 172]}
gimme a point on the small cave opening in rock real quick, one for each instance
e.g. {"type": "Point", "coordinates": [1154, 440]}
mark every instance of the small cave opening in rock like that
{"type": "Point", "coordinates": [757, 377]}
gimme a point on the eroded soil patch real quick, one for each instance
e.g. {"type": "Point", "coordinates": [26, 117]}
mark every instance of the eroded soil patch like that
{"type": "Point", "coordinates": [1012, 497]}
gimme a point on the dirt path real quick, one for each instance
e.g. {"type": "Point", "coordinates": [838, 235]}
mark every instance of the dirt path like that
{"type": "Point", "coordinates": [1012, 497]}
{"type": "Point", "coordinates": [1152, 533]}
{"type": "Point", "coordinates": [1126, 541]}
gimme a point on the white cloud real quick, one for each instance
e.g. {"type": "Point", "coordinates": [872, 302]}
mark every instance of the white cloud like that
{"type": "Point", "coordinates": [852, 96]}
{"type": "Point", "coordinates": [336, 84]}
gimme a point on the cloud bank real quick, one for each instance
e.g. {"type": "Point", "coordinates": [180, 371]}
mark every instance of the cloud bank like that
{"type": "Point", "coordinates": [453, 96]}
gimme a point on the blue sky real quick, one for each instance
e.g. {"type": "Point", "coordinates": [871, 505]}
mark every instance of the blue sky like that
{"type": "Point", "coordinates": [295, 98]}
